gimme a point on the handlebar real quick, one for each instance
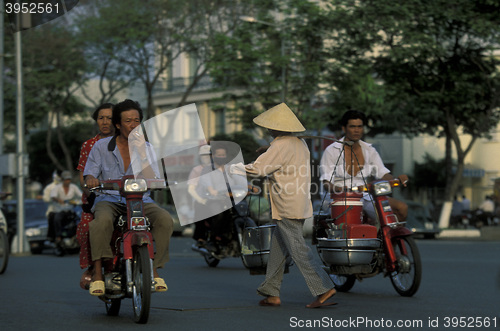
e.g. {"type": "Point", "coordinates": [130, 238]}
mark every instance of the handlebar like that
{"type": "Point", "coordinates": [365, 188]}
{"type": "Point", "coordinates": [117, 184]}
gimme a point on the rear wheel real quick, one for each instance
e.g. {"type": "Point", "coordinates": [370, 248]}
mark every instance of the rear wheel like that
{"type": "Point", "coordinates": [4, 251]}
{"type": "Point", "coordinates": [343, 283]}
{"type": "Point", "coordinates": [406, 279]}
{"type": "Point", "coordinates": [142, 279]}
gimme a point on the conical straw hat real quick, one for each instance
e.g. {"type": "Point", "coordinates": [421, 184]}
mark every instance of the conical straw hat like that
{"type": "Point", "coordinates": [279, 118]}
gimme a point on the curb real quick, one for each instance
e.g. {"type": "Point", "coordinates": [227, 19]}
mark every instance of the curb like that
{"type": "Point", "coordinates": [485, 233]}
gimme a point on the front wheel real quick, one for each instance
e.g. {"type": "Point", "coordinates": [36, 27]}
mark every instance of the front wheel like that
{"type": "Point", "coordinates": [343, 283]}
{"type": "Point", "coordinates": [406, 279]}
{"type": "Point", "coordinates": [4, 251]}
{"type": "Point", "coordinates": [141, 277]}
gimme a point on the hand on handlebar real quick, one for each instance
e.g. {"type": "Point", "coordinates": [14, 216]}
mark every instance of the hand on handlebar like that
{"type": "Point", "coordinates": [92, 183]}
{"type": "Point", "coordinates": [403, 179]}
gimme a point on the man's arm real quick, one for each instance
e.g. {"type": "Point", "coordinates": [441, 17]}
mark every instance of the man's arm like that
{"type": "Point", "coordinates": [402, 178]}
{"type": "Point", "coordinates": [93, 167]}
{"type": "Point", "coordinates": [266, 163]}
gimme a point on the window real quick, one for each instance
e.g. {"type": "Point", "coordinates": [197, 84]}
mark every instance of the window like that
{"type": "Point", "coordinates": [220, 121]}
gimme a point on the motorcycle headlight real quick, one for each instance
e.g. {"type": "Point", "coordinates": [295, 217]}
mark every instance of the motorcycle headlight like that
{"type": "Point", "coordinates": [33, 232]}
{"type": "Point", "coordinates": [382, 188]}
{"type": "Point", "coordinates": [135, 185]}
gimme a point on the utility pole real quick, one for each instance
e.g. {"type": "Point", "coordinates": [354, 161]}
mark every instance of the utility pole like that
{"type": "Point", "coordinates": [1, 82]}
{"type": "Point", "coordinates": [20, 153]}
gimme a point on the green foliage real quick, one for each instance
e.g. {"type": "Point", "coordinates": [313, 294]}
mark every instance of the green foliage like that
{"type": "Point", "coordinates": [430, 173]}
{"type": "Point", "coordinates": [40, 167]}
{"type": "Point", "coordinates": [246, 141]}
{"type": "Point", "coordinates": [431, 59]}
{"type": "Point", "coordinates": [253, 57]}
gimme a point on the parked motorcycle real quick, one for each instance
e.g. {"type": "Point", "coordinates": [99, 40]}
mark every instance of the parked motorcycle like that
{"type": "Point", "coordinates": [130, 273]}
{"type": "Point", "coordinates": [353, 250]}
{"type": "Point", "coordinates": [243, 238]}
{"type": "Point", "coordinates": [4, 241]}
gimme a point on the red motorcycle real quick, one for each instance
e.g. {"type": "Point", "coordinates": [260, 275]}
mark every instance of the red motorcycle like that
{"type": "Point", "coordinates": [353, 249]}
{"type": "Point", "coordinates": [130, 273]}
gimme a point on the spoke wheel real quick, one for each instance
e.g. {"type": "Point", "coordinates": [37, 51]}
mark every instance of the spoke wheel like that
{"type": "Point", "coordinates": [4, 251]}
{"type": "Point", "coordinates": [406, 279]}
{"type": "Point", "coordinates": [141, 291]}
{"type": "Point", "coordinates": [113, 307]}
{"type": "Point", "coordinates": [343, 283]}
{"type": "Point", "coordinates": [211, 260]}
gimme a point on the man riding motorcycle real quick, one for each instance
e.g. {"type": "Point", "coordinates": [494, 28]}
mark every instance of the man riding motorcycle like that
{"type": "Point", "coordinates": [210, 187]}
{"type": "Point", "coordinates": [65, 196]}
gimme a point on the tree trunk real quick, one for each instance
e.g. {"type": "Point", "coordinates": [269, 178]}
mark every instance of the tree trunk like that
{"type": "Point", "coordinates": [62, 144]}
{"type": "Point", "coordinates": [448, 168]}
{"type": "Point", "coordinates": [48, 144]}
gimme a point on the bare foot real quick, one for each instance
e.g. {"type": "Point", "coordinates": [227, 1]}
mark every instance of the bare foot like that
{"type": "Point", "coordinates": [320, 301]}
{"type": "Point", "coordinates": [270, 301]}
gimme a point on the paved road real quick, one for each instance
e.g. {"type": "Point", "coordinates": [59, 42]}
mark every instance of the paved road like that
{"type": "Point", "coordinates": [460, 279]}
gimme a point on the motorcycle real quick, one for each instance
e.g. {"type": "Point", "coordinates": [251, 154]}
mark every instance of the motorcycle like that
{"type": "Point", "coordinates": [4, 241]}
{"type": "Point", "coordinates": [353, 250]}
{"type": "Point", "coordinates": [243, 238]}
{"type": "Point", "coordinates": [68, 243]}
{"type": "Point", "coordinates": [130, 273]}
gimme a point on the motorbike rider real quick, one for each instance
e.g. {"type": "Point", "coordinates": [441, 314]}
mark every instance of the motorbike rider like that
{"type": "Point", "coordinates": [50, 209]}
{"type": "Point", "coordinates": [110, 158]}
{"type": "Point", "coordinates": [200, 233]}
{"type": "Point", "coordinates": [486, 210]}
{"type": "Point", "coordinates": [66, 195]}
{"type": "Point", "coordinates": [358, 161]}
{"type": "Point", "coordinates": [102, 116]}
{"type": "Point", "coordinates": [211, 186]}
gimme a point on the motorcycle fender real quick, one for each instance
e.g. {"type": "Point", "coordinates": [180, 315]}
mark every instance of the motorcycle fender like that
{"type": "Point", "coordinates": [389, 234]}
{"type": "Point", "coordinates": [137, 239]}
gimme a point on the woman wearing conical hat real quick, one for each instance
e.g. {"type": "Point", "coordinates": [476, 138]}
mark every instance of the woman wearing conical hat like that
{"type": "Point", "coordinates": [287, 165]}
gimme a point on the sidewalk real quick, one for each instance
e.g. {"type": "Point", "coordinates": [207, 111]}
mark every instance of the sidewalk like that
{"type": "Point", "coordinates": [485, 233]}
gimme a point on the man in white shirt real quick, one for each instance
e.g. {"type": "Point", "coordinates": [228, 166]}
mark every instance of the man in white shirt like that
{"type": "Point", "coordinates": [66, 195]}
{"type": "Point", "coordinates": [349, 164]}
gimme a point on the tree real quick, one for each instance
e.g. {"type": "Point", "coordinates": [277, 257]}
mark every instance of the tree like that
{"type": "Point", "coordinates": [287, 36]}
{"type": "Point", "coordinates": [54, 68]}
{"type": "Point", "coordinates": [140, 40]}
{"type": "Point", "coordinates": [39, 169]}
{"type": "Point", "coordinates": [421, 67]}
{"type": "Point", "coordinates": [103, 67]}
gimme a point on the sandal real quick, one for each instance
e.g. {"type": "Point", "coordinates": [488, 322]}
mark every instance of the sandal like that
{"type": "Point", "coordinates": [160, 285]}
{"type": "Point", "coordinates": [97, 288]}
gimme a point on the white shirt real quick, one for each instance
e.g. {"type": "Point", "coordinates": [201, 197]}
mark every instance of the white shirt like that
{"type": "Point", "coordinates": [46, 197]}
{"type": "Point", "coordinates": [74, 193]}
{"type": "Point", "coordinates": [332, 166]}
